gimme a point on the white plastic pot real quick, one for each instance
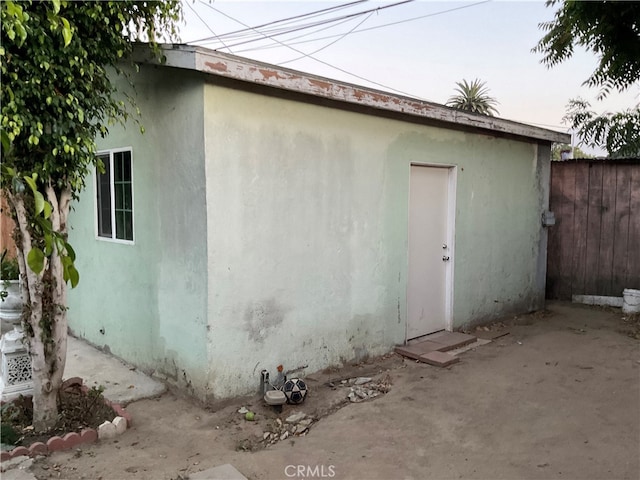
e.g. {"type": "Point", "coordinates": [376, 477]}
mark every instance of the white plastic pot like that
{"type": "Point", "coordinates": [631, 301]}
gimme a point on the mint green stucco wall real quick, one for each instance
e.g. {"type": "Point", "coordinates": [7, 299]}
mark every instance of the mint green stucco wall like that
{"type": "Point", "coordinates": [307, 231]}
{"type": "Point", "coordinates": [273, 231]}
{"type": "Point", "coordinates": [150, 298]}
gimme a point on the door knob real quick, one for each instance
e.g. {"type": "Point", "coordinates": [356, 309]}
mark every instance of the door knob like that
{"type": "Point", "coordinates": [445, 258]}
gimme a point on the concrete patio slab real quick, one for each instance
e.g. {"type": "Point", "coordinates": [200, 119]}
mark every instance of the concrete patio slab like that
{"type": "Point", "coordinates": [122, 382]}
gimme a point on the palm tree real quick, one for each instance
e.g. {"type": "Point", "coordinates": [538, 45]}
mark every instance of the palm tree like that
{"type": "Point", "coordinates": [473, 97]}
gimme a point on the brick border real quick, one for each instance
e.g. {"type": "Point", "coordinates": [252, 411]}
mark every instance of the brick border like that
{"type": "Point", "coordinates": [70, 440]}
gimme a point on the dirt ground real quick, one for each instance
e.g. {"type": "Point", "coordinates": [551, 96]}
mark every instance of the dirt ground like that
{"type": "Point", "coordinates": [559, 397]}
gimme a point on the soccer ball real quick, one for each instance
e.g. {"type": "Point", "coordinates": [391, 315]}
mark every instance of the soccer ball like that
{"type": "Point", "coordinates": [295, 390]}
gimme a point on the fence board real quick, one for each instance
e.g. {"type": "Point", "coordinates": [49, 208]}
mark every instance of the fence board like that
{"type": "Point", "coordinates": [608, 220]}
{"type": "Point", "coordinates": [579, 241]}
{"type": "Point", "coordinates": [594, 248]}
{"type": "Point", "coordinates": [621, 231]}
{"type": "Point", "coordinates": [594, 222]}
{"type": "Point", "coordinates": [633, 264]}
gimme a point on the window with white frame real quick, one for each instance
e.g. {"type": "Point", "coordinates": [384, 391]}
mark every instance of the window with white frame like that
{"type": "Point", "coordinates": [114, 196]}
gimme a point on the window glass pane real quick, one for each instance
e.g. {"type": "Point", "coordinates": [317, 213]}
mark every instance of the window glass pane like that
{"type": "Point", "coordinates": [128, 225]}
{"type": "Point", "coordinates": [128, 204]}
{"type": "Point", "coordinates": [117, 165]}
{"type": "Point", "coordinates": [123, 196]}
{"type": "Point", "coordinates": [120, 224]}
{"type": "Point", "coordinates": [119, 191]}
{"type": "Point", "coordinates": [114, 188]}
{"type": "Point", "coordinates": [126, 167]}
{"type": "Point", "coordinates": [104, 199]}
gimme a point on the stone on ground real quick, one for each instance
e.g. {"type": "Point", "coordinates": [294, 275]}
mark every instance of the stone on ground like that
{"type": "Point", "coordinates": [222, 472]}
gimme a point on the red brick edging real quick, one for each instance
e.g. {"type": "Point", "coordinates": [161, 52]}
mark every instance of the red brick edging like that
{"type": "Point", "coordinates": [68, 441]}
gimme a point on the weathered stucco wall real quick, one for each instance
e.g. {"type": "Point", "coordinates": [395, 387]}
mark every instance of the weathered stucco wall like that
{"type": "Point", "coordinates": [272, 231]}
{"type": "Point", "coordinates": [307, 231]}
{"type": "Point", "coordinates": [150, 297]}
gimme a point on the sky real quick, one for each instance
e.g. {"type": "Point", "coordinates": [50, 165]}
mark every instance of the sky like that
{"type": "Point", "coordinates": [418, 57]}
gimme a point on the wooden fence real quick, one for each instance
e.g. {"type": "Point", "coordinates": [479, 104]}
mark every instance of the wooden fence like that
{"type": "Point", "coordinates": [6, 229]}
{"type": "Point", "coordinates": [594, 247]}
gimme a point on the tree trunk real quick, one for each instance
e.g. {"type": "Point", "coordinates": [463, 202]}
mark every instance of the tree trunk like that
{"type": "Point", "coordinates": [45, 318]}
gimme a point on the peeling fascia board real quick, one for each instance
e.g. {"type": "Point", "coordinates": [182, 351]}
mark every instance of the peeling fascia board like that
{"type": "Point", "coordinates": [247, 70]}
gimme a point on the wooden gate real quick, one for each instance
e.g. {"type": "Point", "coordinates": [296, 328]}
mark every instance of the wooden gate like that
{"type": "Point", "coordinates": [594, 247]}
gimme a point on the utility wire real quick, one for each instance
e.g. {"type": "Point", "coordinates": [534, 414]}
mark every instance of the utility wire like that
{"type": "Point", "coordinates": [337, 24]}
{"type": "Point", "coordinates": [323, 22]}
{"type": "Point", "coordinates": [353, 30]}
{"type": "Point", "coordinates": [283, 20]}
{"type": "Point", "coordinates": [266, 47]}
{"type": "Point", "coordinates": [328, 44]}
{"type": "Point", "coordinates": [207, 25]}
{"type": "Point", "coordinates": [318, 60]}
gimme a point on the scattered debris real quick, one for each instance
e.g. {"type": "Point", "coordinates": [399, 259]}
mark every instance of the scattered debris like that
{"type": "Point", "coordinates": [243, 410]}
{"type": "Point", "coordinates": [294, 425]}
{"type": "Point", "coordinates": [364, 388]}
{"type": "Point", "coordinates": [362, 380]}
{"type": "Point", "coordinates": [296, 417]}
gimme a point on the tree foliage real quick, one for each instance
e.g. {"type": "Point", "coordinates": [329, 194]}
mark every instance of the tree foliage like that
{"type": "Point", "coordinates": [618, 132]}
{"type": "Point", "coordinates": [57, 62]}
{"type": "Point", "coordinates": [610, 29]}
{"type": "Point", "coordinates": [558, 148]}
{"type": "Point", "coordinates": [473, 97]}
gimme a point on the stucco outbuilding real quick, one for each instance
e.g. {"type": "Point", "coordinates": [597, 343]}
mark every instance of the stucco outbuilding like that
{"type": "Point", "coordinates": [268, 216]}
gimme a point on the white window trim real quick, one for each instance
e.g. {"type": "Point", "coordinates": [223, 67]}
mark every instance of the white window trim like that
{"type": "Point", "coordinates": [110, 152]}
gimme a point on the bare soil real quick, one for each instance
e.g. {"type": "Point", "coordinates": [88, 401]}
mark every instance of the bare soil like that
{"type": "Point", "coordinates": [77, 410]}
{"type": "Point", "coordinates": [558, 397]}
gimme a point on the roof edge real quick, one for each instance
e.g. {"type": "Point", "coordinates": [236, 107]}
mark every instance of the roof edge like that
{"type": "Point", "coordinates": [247, 70]}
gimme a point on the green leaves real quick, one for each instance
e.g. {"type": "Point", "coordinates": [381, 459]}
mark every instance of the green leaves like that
{"type": "Point", "coordinates": [618, 132]}
{"type": "Point", "coordinates": [608, 29]}
{"type": "Point", "coordinates": [57, 60]}
{"type": "Point", "coordinates": [66, 31]}
{"type": "Point", "coordinates": [473, 97]}
{"type": "Point", "coordinates": [52, 240]}
{"type": "Point", "coordinates": [35, 260]}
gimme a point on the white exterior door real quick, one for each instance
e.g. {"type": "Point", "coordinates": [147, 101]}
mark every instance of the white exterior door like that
{"type": "Point", "coordinates": [430, 227]}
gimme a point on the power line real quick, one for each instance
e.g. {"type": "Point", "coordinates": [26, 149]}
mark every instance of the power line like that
{"type": "Point", "coordinates": [207, 25]}
{"type": "Point", "coordinates": [318, 60]}
{"type": "Point", "coordinates": [329, 44]}
{"type": "Point", "coordinates": [266, 47]}
{"type": "Point", "coordinates": [337, 24]}
{"type": "Point", "coordinates": [291, 30]}
{"type": "Point", "coordinates": [284, 20]}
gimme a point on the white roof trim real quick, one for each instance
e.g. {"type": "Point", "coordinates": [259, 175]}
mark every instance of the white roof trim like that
{"type": "Point", "coordinates": [247, 70]}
